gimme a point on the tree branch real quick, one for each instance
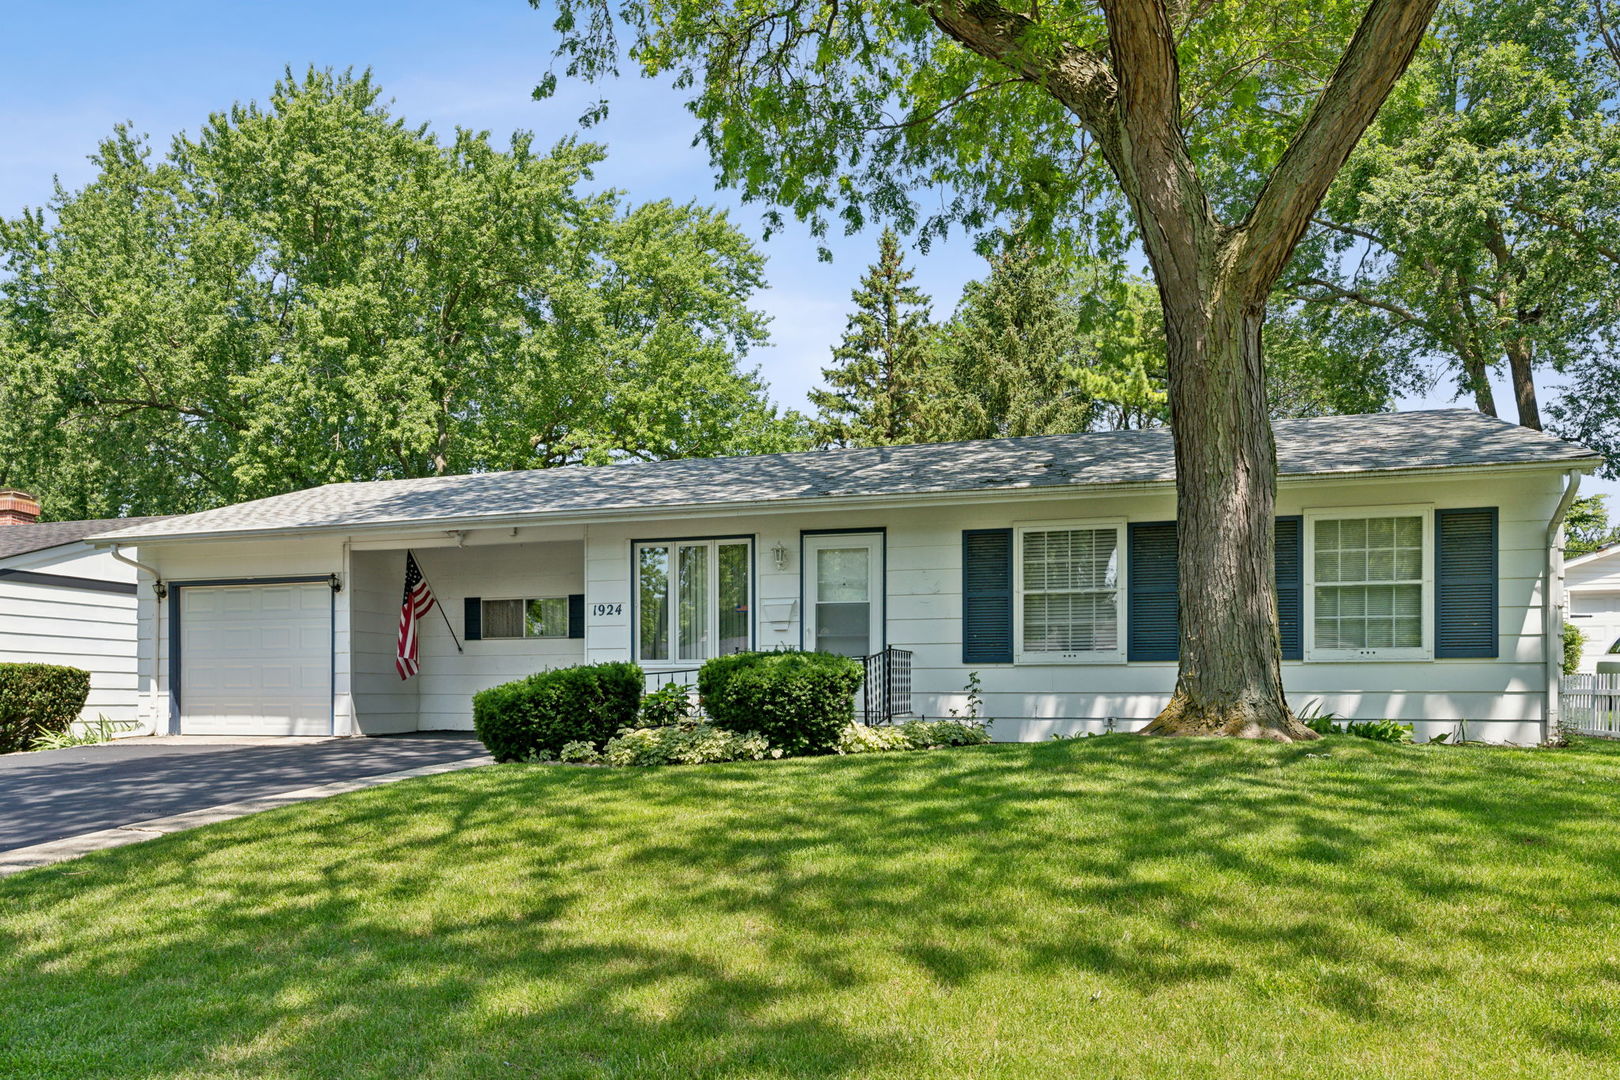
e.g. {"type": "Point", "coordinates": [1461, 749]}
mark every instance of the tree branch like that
{"type": "Point", "coordinates": [1077, 77]}
{"type": "Point", "coordinates": [1378, 54]}
{"type": "Point", "coordinates": [1153, 163]}
{"type": "Point", "coordinates": [1339, 292]}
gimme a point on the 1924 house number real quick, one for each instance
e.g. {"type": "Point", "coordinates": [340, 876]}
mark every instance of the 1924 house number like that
{"type": "Point", "coordinates": [607, 609]}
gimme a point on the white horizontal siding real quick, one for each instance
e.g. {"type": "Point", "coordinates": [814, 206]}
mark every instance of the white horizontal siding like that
{"type": "Point", "coordinates": [449, 678]}
{"type": "Point", "coordinates": [60, 624]}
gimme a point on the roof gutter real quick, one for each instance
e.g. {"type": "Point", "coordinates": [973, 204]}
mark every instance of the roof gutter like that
{"type": "Point", "coordinates": [158, 587]}
{"type": "Point", "coordinates": [1552, 606]}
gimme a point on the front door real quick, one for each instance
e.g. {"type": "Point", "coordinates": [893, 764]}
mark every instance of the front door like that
{"type": "Point", "coordinates": [844, 593]}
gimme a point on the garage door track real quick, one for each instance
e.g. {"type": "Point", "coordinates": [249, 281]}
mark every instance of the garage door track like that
{"type": "Point", "coordinates": [51, 795]}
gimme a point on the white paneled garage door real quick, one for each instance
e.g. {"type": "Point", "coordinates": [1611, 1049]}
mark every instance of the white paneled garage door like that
{"type": "Point", "coordinates": [256, 660]}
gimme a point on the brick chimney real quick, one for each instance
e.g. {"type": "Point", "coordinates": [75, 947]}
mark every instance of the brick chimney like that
{"type": "Point", "coordinates": [18, 508]}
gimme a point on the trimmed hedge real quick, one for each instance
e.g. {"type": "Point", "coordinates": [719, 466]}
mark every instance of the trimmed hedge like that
{"type": "Point", "coordinates": [544, 712]}
{"type": "Point", "coordinates": [800, 701]}
{"type": "Point", "coordinates": [38, 699]}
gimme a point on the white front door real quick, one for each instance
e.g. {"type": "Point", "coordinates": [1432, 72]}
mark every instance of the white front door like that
{"type": "Point", "coordinates": [844, 593]}
{"type": "Point", "coordinates": [256, 659]}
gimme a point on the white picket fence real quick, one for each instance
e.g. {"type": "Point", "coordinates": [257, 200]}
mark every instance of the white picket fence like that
{"type": "Point", "coordinates": [1590, 704]}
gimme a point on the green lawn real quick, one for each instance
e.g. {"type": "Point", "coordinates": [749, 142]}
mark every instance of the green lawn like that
{"type": "Point", "coordinates": [1117, 907]}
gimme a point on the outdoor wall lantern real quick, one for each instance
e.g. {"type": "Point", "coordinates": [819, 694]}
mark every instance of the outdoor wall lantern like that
{"type": "Point", "coordinates": [779, 555]}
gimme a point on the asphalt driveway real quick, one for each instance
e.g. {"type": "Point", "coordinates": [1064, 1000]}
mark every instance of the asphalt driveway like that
{"type": "Point", "coordinates": [54, 794]}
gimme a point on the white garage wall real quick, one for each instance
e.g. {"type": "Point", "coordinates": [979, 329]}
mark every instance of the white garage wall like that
{"type": "Point", "coordinates": [57, 624]}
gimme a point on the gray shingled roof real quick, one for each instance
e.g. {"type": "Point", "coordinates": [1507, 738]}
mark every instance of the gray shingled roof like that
{"type": "Point", "coordinates": [39, 535]}
{"type": "Point", "coordinates": [1338, 444]}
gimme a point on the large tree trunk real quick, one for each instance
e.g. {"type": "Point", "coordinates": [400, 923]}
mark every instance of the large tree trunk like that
{"type": "Point", "coordinates": [1521, 362]}
{"type": "Point", "coordinates": [1230, 680]}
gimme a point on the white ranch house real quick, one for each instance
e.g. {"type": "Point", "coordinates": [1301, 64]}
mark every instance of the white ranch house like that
{"type": "Point", "coordinates": [1419, 578]}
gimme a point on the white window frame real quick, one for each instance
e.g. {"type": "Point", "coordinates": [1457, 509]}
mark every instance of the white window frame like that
{"type": "Point", "coordinates": [713, 543]}
{"type": "Point", "coordinates": [525, 601]}
{"type": "Point", "coordinates": [1422, 511]}
{"type": "Point", "coordinates": [1112, 656]}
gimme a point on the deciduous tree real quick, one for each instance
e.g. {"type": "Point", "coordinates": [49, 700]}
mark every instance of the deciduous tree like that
{"type": "Point", "coordinates": [310, 291]}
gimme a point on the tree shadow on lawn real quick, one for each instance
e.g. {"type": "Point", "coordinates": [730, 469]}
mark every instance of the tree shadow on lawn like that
{"type": "Point", "coordinates": [722, 921]}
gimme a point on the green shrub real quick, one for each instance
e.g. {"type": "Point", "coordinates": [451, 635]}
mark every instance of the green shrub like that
{"type": "Point", "coordinates": [1380, 730]}
{"type": "Point", "coordinates": [578, 752]}
{"type": "Point", "coordinates": [545, 712]}
{"type": "Point", "coordinates": [800, 701]}
{"type": "Point", "coordinates": [861, 739]}
{"type": "Point", "coordinates": [38, 700]}
{"type": "Point", "coordinates": [686, 744]}
{"type": "Point", "coordinates": [928, 734]}
{"type": "Point", "coordinates": [667, 705]}
{"type": "Point", "coordinates": [1574, 645]}
{"type": "Point", "coordinates": [911, 735]}
{"type": "Point", "coordinates": [100, 730]}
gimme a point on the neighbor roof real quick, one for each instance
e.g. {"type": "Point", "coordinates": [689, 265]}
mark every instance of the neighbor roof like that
{"type": "Point", "coordinates": [39, 535]}
{"type": "Point", "coordinates": [1327, 445]}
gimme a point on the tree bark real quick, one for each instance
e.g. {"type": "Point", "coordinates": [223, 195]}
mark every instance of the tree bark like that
{"type": "Point", "coordinates": [1230, 678]}
{"type": "Point", "coordinates": [1521, 362]}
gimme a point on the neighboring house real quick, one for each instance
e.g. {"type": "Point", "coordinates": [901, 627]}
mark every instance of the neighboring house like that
{"type": "Point", "coordinates": [1418, 578]}
{"type": "Point", "coordinates": [64, 602]}
{"type": "Point", "coordinates": [1593, 584]}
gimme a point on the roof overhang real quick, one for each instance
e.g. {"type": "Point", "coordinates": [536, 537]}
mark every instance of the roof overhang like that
{"type": "Point", "coordinates": [811, 502]}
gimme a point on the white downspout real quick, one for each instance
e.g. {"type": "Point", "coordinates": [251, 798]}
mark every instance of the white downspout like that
{"type": "Point", "coordinates": [1552, 606]}
{"type": "Point", "coordinates": [159, 591]}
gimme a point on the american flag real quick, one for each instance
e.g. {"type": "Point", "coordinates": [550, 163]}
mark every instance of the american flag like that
{"type": "Point", "coordinates": [417, 602]}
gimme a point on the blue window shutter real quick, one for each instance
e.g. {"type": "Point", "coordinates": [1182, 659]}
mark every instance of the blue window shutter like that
{"type": "Point", "coordinates": [576, 615]}
{"type": "Point", "coordinates": [472, 618]}
{"type": "Point", "coordinates": [1465, 571]}
{"type": "Point", "coordinates": [1290, 583]}
{"type": "Point", "coordinates": [987, 596]}
{"type": "Point", "coordinates": [1152, 615]}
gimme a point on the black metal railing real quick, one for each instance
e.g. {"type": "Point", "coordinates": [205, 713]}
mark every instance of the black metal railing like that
{"type": "Point", "coordinates": [657, 680]}
{"type": "Point", "coordinates": [886, 691]}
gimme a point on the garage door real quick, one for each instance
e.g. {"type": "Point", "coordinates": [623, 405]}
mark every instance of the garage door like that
{"type": "Point", "coordinates": [256, 660]}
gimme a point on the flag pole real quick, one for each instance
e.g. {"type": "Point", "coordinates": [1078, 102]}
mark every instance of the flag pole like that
{"type": "Point", "coordinates": [436, 601]}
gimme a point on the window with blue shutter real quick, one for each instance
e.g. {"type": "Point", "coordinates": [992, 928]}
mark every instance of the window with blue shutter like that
{"type": "Point", "coordinates": [472, 619]}
{"type": "Point", "coordinates": [987, 596]}
{"type": "Point", "coordinates": [1290, 582]}
{"type": "Point", "coordinates": [1465, 583]}
{"type": "Point", "coordinates": [1152, 616]}
{"type": "Point", "coordinates": [576, 615]}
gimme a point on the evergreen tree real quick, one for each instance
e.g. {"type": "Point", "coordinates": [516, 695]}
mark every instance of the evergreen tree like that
{"type": "Point", "coordinates": [1038, 348]}
{"type": "Point", "coordinates": [878, 391]}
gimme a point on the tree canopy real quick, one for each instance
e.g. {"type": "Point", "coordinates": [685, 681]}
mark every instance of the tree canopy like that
{"type": "Point", "coordinates": [1477, 226]}
{"type": "Point", "coordinates": [310, 291]}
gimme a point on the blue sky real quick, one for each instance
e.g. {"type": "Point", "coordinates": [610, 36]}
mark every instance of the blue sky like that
{"type": "Point", "coordinates": [70, 71]}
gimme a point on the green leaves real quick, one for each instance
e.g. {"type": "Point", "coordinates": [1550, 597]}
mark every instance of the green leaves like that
{"type": "Point", "coordinates": [311, 291]}
{"type": "Point", "coordinates": [1476, 226]}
